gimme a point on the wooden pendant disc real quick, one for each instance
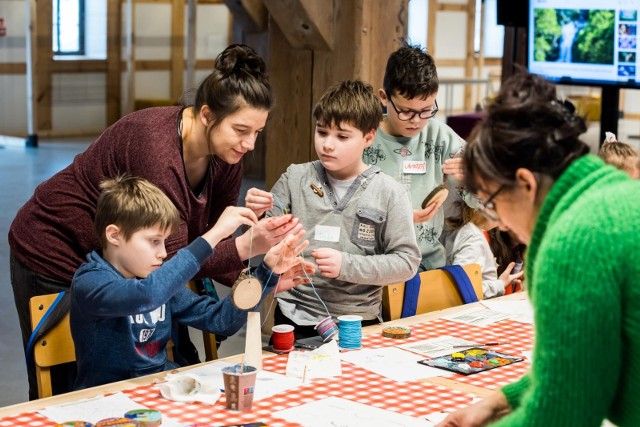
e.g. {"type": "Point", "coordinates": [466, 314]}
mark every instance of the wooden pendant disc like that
{"type": "Point", "coordinates": [246, 293]}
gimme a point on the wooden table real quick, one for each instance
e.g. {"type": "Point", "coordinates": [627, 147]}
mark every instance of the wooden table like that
{"type": "Point", "coordinates": [418, 399]}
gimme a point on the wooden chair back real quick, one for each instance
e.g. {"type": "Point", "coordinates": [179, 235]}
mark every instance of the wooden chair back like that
{"type": "Point", "coordinates": [55, 347]}
{"type": "Point", "coordinates": [208, 339]}
{"type": "Point", "coordinates": [437, 292]}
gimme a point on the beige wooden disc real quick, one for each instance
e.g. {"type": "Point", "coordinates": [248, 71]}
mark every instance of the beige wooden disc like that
{"type": "Point", "coordinates": [437, 195]}
{"type": "Point", "coordinates": [246, 293]}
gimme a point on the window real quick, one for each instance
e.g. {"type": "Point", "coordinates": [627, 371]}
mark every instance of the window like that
{"type": "Point", "coordinates": [68, 27]}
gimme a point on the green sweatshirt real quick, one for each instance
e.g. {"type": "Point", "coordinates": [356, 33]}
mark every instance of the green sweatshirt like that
{"type": "Point", "coordinates": [583, 266]}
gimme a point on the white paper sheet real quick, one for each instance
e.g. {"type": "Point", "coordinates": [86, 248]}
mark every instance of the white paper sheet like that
{"type": "Point", "coordinates": [335, 411]}
{"type": "Point", "coordinates": [96, 409]}
{"type": "Point", "coordinates": [323, 362]}
{"type": "Point", "coordinates": [393, 363]}
{"type": "Point", "coordinates": [477, 317]}
{"type": "Point", "coordinates": [267, 383]}
{"type": "Point", "coordinates": [436, 347]}
{"type": "Point", "coordinates": [520, 310]}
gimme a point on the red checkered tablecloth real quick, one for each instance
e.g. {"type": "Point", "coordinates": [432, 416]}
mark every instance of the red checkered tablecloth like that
{"type": "Point", "coordinates": [417, 398]}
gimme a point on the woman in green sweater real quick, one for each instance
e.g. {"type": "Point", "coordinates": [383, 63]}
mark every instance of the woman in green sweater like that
{"type": "Point", "coordinates": [581, 220]}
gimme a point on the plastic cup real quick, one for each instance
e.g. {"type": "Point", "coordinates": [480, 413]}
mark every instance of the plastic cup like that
{"type": "Point", "coordinates": [239, 384]}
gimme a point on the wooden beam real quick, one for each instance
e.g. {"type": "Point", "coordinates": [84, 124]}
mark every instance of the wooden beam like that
{"type": "Point", "coordinates": [177, 49]}
{"type": "Point", "coordinates": [378, 40]}
{"type": "Point", "coordinates": [470, 59]}
{"type": "Point", "coordinates": [431, 27]}
{"type": "Point", "coordinates": [489, 62]}
{"type": "Point", "coordinates": [32, 118]}
{"type": "Point", "coordinates": [251, 15]}
{"type": "Point", "coordinates": [452, 7]}
{"type": "Point", "coordinates": [13, 68]}
{"type": "Point", "coordinates": [42, 65]}
{"type": "Point", "coordinates": [84, 66]}
{"type": "Point", "coordinates": [114, 60]}
{"type": "Point", "coordinates": [289, 137]}
{"type": "Point", "coordinates": [129, 48]}
{"type": "Point", "coordinates": [307, 24]}
{"type": "Point", "coordinates": [191, 44]}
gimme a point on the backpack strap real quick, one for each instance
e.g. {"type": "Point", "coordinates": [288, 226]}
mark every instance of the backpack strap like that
{"type": "Point", "coordinates": [410, 299]}
{"type": "Point", "coordinates": [463, 283]}
{"type": "Point", "coordinates": [54, 314]}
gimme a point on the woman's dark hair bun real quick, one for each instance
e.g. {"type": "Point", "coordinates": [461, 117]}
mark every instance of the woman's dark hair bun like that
{"type": "Point", "coordinates": [240, 58]}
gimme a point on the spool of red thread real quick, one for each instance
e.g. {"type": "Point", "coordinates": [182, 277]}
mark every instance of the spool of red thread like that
{"type": "Point", "coordinates": [283, 338]}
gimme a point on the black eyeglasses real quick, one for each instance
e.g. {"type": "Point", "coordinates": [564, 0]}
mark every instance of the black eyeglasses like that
{"type": "Point", "coordinates": [406, 115]}
{"type": "Point", "coordinates": [488, 208]}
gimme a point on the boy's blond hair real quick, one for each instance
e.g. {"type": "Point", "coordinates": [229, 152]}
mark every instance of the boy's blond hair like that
{"type": "Point", "coordinates": [133, 203]}
{"type": "Point", "coordinates": [621, 155]}
{"type": "Point", "coordinates": [351, 102]}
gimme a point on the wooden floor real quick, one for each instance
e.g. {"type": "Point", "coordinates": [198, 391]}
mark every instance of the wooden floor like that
{"type": "Point", "coordinates": [21, 170]}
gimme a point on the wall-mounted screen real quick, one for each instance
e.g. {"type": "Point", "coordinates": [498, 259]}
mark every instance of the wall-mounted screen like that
{"type": "Point", "coordinates": [589, 42]}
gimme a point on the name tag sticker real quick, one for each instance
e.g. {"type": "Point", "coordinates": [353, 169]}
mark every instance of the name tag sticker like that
{"type": "Point", "coordinates": [327, 233]}
{"type": "Point", "coordinates": [414, 166]}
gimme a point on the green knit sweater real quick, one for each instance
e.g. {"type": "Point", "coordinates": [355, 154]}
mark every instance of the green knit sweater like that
{"type": "Point", "coordinates": [583, 273]}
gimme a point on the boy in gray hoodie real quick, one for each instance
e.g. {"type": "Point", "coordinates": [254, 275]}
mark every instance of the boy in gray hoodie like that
{"type": "Point", "coordinates": [360, 220]}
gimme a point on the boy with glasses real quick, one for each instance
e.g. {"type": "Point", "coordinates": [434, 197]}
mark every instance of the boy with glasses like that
{"type": "Point", "coordinates": [413, 149]}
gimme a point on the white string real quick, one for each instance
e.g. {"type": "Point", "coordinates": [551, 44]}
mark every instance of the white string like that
{"type": "Point", "coordinates": [280, 205]}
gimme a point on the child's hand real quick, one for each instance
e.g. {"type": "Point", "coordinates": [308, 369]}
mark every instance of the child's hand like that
{"type": "Point", "coordinates": [329, 261]}
{"type": "Point", "coordinates": [508, 278]}
{"type": "Point", "coordinates": [296, 275]}
{"type": "Point", "coordinates": [258, 200]}
{"type": "Point", "coordinates": [284, 255]}
{"type": "Point", "coordinates": [232, 218]}
{"type": "Point", "coordinates": [426, 214]}
{"type": "Point", "coordinates": [454, 167]}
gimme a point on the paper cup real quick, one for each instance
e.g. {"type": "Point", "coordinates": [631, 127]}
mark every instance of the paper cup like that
{"type": "Point", "coordinates": [239, 384]}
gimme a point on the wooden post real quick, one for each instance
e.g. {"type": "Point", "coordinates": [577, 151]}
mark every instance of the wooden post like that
{"type": "Point", "coordinates": [114, 60]}
{"type": "Point", "coordinates": [177, 49]}
{"type": "Point", "coordinates": [364, 33]}
{"type": "Point", "coordinates": [42, 44]}
{"type": "Point", "coordinates": [130, 58]}
{"type": "Point", "coordinates": [32, 117]}
{"type": "Point", "coordinates": [470, 59]}
{"type": "Point", "coordinates": [191, 44]}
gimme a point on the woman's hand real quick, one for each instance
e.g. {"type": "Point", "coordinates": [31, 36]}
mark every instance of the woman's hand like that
{"type": "Point", "coordinates": [329, 261]}
{"type": "Point", "coordinates": [232, 218]}
{"type": "Point", "coordinates": [258, 201]}
{"type": "Point", "coordinates": [284, 255]}
{"type": "Point", "coordinates": [479, 414]}
{"type": "Point", "coordinates": [267, 233]}
{"type": "Point", "coordinates": [508, 278]}
{"type": "Point", "coordinates": [426, 214]}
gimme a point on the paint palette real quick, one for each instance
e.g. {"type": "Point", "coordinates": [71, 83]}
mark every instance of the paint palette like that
{"type": "Point", "coordinates": [471, 361]}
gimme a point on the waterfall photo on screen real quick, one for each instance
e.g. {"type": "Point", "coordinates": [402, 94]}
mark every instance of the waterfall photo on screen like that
{"type": "Point", "coordinates": [584, 36]}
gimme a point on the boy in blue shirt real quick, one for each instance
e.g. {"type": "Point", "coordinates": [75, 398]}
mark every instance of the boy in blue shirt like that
{"type": "Point", "coordinates": [125, 297]}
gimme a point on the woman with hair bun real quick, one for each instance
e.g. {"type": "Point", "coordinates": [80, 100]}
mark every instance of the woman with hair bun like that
{"type": "Point", "coordinates": [579, 218]}
{"type": "Point", "coordinates": [192, 153]}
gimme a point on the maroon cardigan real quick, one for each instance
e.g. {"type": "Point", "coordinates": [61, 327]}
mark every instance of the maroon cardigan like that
{"type": "Point", "coordinates": [53, 232]}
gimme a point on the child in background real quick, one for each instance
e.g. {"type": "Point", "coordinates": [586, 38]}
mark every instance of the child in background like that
{"type": "Point", "coordinates": [621, 155]}
{"type": "Point", "coordinates": [507, 248]}
{"type": "Point", "coordinates": [124, 298]}
{"type": "Point", "coordinates": [362, 236]}
{"type": "Point", "coordinates": [466, 243]}
{"type": "Point", "coordinates": [415, 149]}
